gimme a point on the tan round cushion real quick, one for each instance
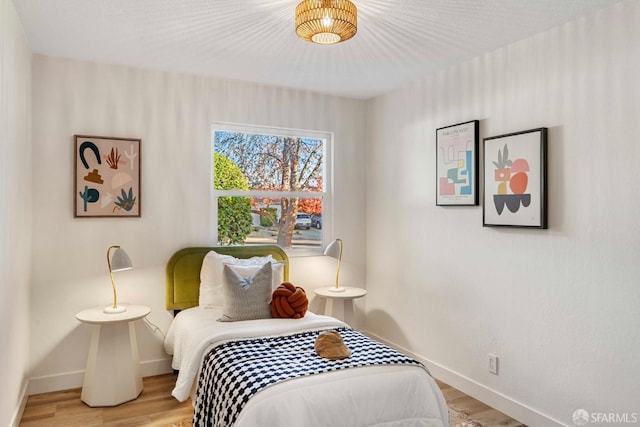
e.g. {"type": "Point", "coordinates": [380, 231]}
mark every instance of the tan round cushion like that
{"type": "Point", "coordinates": [330, 345]}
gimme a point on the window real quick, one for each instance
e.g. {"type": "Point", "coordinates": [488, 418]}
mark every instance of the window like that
{"type": "Point", "coordinates": [270, 186]}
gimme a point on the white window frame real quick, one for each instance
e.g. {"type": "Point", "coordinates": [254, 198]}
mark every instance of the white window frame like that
{"type": "Point", "coordinates": [327, 187]}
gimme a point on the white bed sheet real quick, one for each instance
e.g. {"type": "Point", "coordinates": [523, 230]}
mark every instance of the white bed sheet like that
{"type": "Point", "coordinates": [386, 396]}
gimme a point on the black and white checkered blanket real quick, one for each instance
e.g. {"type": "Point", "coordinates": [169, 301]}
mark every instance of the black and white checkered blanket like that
{"type": "Point", "coordinates": [235, 371]}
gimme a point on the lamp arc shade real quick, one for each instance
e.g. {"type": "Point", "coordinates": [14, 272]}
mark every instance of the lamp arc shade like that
{"type": "Point", "coordinates": [334, 250]}
{"type": "Point", "coordinates": [119, 261]}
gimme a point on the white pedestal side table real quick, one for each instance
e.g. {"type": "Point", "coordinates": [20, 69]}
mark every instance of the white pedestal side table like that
{"type": "Point", "coordinates": [113, 374]}
{"type": "Point", "coordinates": [347, 296]}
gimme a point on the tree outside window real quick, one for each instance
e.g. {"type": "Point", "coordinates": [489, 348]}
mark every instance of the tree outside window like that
{"type": "Point", "coordinates": [277, 180]}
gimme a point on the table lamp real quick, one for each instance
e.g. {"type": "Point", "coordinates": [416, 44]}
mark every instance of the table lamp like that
{"type": "Point", "coordinates": [334, 250]}
{"type": "Point", "coordinates": [119, 261]}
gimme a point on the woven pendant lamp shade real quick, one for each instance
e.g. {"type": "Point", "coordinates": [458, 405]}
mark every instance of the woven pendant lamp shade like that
{"type": "Point", "coordinates": [326, 21]}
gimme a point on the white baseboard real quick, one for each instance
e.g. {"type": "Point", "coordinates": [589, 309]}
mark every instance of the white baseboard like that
{"type": "Point", "coordinates": [57, 382]}
{"type": "Point", "coordinates": [517, 410]}
{"type": "Point", "coordinates": [69, 380]}
{"type": "Point", "coordinates": [17, 415]}
{"type": "Point", "coordinates": [151, 368]}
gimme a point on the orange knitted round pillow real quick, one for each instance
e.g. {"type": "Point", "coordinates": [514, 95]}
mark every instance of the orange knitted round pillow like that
{"type": "Point", "coordinates": [289, 301]}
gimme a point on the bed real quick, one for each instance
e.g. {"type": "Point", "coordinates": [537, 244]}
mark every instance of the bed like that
{"type": "Point", "coordinates": [376, 386]}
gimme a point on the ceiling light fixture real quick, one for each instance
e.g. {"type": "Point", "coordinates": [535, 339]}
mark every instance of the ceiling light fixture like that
{"type": "Point", "coordinates": [326, 21]}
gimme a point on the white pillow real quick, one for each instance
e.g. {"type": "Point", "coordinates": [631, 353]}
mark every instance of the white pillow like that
{"type": "Point", "coordinates": [211, 275]}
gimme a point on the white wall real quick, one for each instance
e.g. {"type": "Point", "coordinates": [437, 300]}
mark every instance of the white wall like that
{"type": "Point", "coordinates": [171, 113]}
{"type": "Point", "coordinates": [15, 209]}
{"type": "Point", "coordinates": [560, 307]}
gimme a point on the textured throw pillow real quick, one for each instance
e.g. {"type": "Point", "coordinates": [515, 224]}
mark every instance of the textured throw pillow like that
{"type": "Point", "coordinates": [277, 275]}
{"type": "Point", "coordinates": [246, 298]}
{"type": "Point", "coordinates": [211, 275]}
{"type": "Point", "coordinates": [289, 302]}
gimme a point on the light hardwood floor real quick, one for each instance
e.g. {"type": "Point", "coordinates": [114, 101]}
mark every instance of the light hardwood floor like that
{"type": "Point", "coordinates": [466, 411]}
{"type": "Point", "coordinates": [155, 407]}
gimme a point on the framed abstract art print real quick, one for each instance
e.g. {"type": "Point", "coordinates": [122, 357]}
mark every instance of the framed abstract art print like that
{"type": "Point", "coordinates": [106, 177]}
{"type": "Point", "coordinates": [457, 164]}
{"type": "Point", "coordinates": [515, 179]}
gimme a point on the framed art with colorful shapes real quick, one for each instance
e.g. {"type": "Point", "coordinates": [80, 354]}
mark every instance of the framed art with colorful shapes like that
{"type": "Point", "coordinates": [515, 179]}
{"type": "Point", "coordinates": [457, 164]}
{"type": "Point", "coordinates": [107, 177]}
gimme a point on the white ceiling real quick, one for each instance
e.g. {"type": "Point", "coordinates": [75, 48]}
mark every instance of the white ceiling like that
{"type": "Point", "coordinates": [254, 40]}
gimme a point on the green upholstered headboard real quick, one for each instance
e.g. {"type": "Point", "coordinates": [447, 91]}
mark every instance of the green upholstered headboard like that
{"type": "Point", "coordinates": [183, 270]}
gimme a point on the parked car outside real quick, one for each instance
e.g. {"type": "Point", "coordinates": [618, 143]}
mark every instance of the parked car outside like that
{"type": "Point", "coordinates": [316, 221]}
{"type": "Point", "coordinates": [303, 220]}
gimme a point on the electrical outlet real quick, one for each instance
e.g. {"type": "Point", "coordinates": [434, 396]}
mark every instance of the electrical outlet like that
{"type": "Point", "coordinates": [493, 364]}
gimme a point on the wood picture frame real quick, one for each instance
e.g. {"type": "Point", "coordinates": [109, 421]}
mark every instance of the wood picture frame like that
{"type": "Point", "coordinates": [515, 179]}
{"type": "Point", "coordinates": [106, 177]}
{"type": "Point", "coordinates": [457, 164]}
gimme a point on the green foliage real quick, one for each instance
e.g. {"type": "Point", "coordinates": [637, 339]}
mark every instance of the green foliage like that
{"type": "Point", "coordinates": [234, 220]}
{"type": "Point", "coordinates": [234, 213]}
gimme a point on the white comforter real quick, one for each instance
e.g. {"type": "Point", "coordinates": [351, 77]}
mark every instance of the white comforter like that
{"type": "Point", "coordinates": [367, 396]}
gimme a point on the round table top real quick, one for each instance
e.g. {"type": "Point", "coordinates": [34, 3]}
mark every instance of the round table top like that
{"type": "Point", "coordinates": [97, 315]}
{"type": "Point", "coordinates": [348, 293]}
